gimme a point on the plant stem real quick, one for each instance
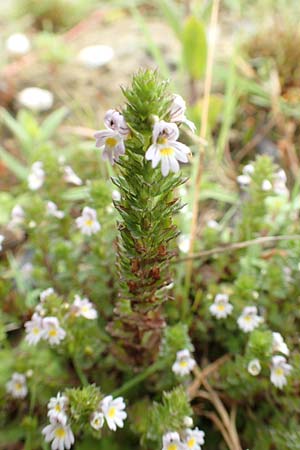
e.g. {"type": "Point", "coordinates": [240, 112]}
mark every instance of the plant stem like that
{"type": "Point", "coordinates": [139, 378]}
{"type": "Point", "coordinates": [203, 132]}
{"type": "Point", "coordinates": [83, 379]}
{"type": "Point", "coordinates": [237, 246]}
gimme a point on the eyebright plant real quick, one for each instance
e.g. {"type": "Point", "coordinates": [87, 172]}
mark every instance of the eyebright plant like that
{"type": "Point", "coordinates": [94, 351]}
{"type": "Point", "coordinates": [146, 129]}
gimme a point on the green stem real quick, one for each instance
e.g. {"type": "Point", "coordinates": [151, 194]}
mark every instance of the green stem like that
{"type": "Point", "coordinates": [83, 379]}
{"type": "Point", "coordinates": [28, 442]}
{"type": "Point", "coordinates": [139, 378]}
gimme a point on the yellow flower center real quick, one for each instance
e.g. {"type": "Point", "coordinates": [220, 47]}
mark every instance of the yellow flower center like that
{"type": "Point", "coordinates": [183, 363]}
{"type": "Point", "coordinates": [166, 151]}
{"type": "Point", "coordinates": [111, 142]}
{"type": "Point", "coordinates": [53, 332]}
{"type": "Point", "coordinates": [221, 307]}
{"type": "Point", "coordinates": [57, 408]}
{"type": "Point", "coordinates": [172, 447]}
{"type": "Point", "coordinates": [85, 309]}
{"type": "Point", "coordinates": [248, 318]}
{"type": "Point", "coordinates": [191, 442]}
{"type": "Point", "coordinates": [18, 386]}
{"type": "Point", "coordinates": [111, 412]}
{"type": "Point", "coordinates": [89, 222]}
{"type": "Point", "coordinates": [279, 371]}
{"type": "Point", "coordinates": [36, 330]}
{"type": "Point", "coordinates": [60, 433]}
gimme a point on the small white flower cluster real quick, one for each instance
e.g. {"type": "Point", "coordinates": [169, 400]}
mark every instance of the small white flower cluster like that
{"type": "Point", "coordinates": [245, 178]}
{"type": "Point", "coordinates": [36, 176]}
{"type": "Point", "coordinates": [280, 369]}
{"type": "Point", "coordinates": [192, 439]}
{"type": "Point", "coordinates": [84, 308]}
{"type": "Point", "coordinates": [165, 148]}
{"type": "Point", "coordinates": [52, 210]}
{"type": "Point", "coordinates": [112, 410]}
{"type": "Point", "coordinates": [17, 44]}
{"type": "Point", "coordinates": [71, 177]}
{"type": "Point", "coordinates": [278, 185]}
{"type": "Point", "coordinates": [184, 363]}
{"type": "Point", "coordinates": [48, 328]}
{"type": "Point", "coordinates": [17, 386]}
{"type": "Point", "coordinates": [247, 321]}
{"type": "Point", "coordinates": [59, 430]}
{"type": "Point", "coordinates": [87, 223]}
{"type": "Point", "coordinates": [36, 99]}
{"type": "Point", "coordinates": [221, 308]}
{"type": "Point", "coordinates": [112, 139]}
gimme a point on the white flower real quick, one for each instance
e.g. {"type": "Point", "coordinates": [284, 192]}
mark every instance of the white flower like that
{"type": "Point", "coordinates": [44, 294]}
{"type": "Point", "coordinates": [244, 180]}
{"type": "Point", "coordinates": [171, 441]}
{"type": "Point", "coordinates": [194, 439]}
{"type": "Point", "coordinates": [34, 329]}
{"type": "Point", "coordinates": [188, 421]}
{"type": "Point", "coordinates": [16, 386]}
{"type": "Point", "coordinates": [184, 363]}
{"type": "Point", "coordinates": [116, 196]}
{"type": "Point", "coordinates": [213, 224]}
{"type": "Point", "coordinates": [95, 56]}
{"type": "Point", "coordinates": [52, 210]}
{"type": "Point", "coordinates": [112, 139]}
{"type": "Point", "coordinates": [249, 319]}
{"type": "Point", "coordinates": [177, 112]}
{"type": "Point", "coordinates": [113, 410]}
{"type": "Point", "coordinates": [71, 177]}
{"type": "Point", "coordinates": [279, 370]}
{"type": "Point", "coordinates": [114, 120]}
{"type": "Point", "coordinates": [57, 408]}
{"type": "Point", "coordinates": [166, 149]}
{"type": "Point", "coordinates": [36, 176]}
{"type": "Point", "coordinates": [53, 332]}
{"type": "Point", "coordinates": [280, 183]}
{"type": "Point", "coordinates": [83, 307]}
{"type": "Point", "coordinates": [184, 243]}
{"type": "Point", "coordinates": [87, 222]}
{"type": "Point", "coordinates": [254, 367]}
{"type": "Point", "coordinates": [36, 99]}
{"type": "Point", "coordinates": [17, 215]}
{"type": "Point", "coordinates": [97, 420]}
{"type": "Point", "coordinates": [278, 344]}
{"type": "Point", "coordinates": [266, 185]}
{"type": "Point", "coordinates": [248, 169]}
{"type": "Point", "coordinates": [59, 433]}
{"type": "Point", "coordinates": [17, 44]}
{"type": "Point", "coordinates": [1, 241]}
{"type": "Point", "coordinates": [221, 308]}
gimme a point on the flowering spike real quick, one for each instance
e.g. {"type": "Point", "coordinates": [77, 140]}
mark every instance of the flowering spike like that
{"type": "Point", "coordinates": [146, 206]}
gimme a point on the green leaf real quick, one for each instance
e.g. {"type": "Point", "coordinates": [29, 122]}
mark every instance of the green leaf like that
{"type": "Point", "coordinates": [17, 129]}
{"type": "Point", "coordinates": [170, 12]}
{"type": "Point", "coordinates": [13, 164]}
{"type": "Point", "coordinates": [194, 47]}
{"type": "Point", "coordinates": [52, 122]}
